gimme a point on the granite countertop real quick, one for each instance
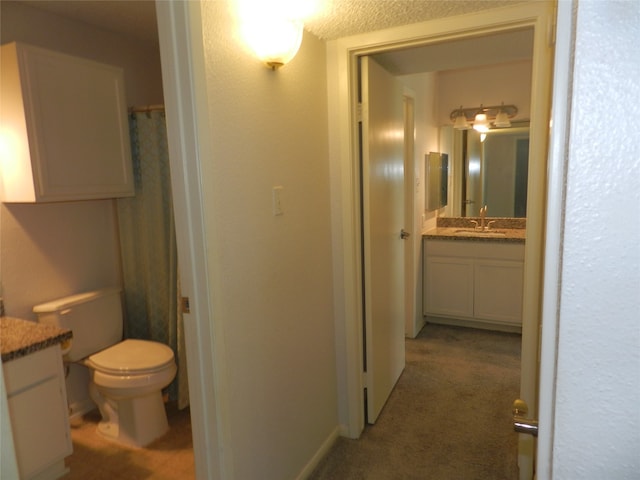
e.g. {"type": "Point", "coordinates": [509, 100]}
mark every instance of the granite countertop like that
{"type": "Point", "coordinates": [511, 235]}
{"type": "Point", "coordinates": [21, 337]}
{"type": "Point", "coordinates": [502, 230]}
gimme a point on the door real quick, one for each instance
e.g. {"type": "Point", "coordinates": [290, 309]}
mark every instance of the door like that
{"type": "Point", "coordinates": [382, 220]}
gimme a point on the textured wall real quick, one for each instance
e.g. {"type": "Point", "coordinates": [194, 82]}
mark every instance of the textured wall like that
{"type": "Point", "coordinates": [598, 378]}
{"type": "Point", "coordinates": [271, 275]}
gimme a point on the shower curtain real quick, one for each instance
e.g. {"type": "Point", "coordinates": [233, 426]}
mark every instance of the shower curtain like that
{"type": "Point", "coordinates": [148, 247]}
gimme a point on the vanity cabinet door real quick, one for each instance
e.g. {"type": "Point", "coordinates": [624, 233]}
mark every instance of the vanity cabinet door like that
{"type": "Point", "coordinates": [36, 397]}
{"type": "Point", "coordinates": [473, 283]}
{"type": "Point", "coordinates": [498, 291]}
{"type": "Point", "coordinates": [448, 286]}
{"type": "Point", "coordinates": [65, 121]}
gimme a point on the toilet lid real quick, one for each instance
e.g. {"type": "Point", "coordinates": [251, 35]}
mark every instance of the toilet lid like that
{"type": "Point", "coordinates": [131, 356]}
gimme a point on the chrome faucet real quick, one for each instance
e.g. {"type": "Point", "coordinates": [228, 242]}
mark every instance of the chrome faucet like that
{"type": "Point", "coordinates": [482, 227]}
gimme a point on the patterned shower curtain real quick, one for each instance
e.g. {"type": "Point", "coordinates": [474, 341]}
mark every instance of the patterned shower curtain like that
{"type": "Point", "coordinates": [148, 248]}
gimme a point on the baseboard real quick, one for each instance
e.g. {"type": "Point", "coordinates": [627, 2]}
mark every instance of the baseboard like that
{"type": "Point", "coordinates": [319, 455]}
{"type": "Point", "coordinates": [484, 325]}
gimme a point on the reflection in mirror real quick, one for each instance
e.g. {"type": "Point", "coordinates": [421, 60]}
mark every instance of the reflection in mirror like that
{"type": "Point", "coordinates": [437, 171]}
{"type": "Point", "coordinates": [495, 172]}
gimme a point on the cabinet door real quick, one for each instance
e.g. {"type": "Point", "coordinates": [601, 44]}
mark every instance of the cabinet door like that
{"type": "Point", "coordinates": [448, 286]}
{"type": "Point", "coordinates": [40, 431]}
{"type": "Point", "coordinates": [74, 132]}
{"type": "Point", "coordinates": [498, 291]}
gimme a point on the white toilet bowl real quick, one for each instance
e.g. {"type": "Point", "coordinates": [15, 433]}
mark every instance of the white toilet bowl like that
{"type": "Point", "coordinates": [126, 384]}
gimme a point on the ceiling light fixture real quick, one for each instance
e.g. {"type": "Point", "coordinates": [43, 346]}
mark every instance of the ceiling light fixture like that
{"type": "Point", "coordinates": [482, 117]}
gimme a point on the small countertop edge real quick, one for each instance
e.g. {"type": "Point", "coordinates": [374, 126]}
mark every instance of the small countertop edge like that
{"type": "Point", "coordinates": [21, 337]}
{"type": "Point", "coordinates": [512, 235]}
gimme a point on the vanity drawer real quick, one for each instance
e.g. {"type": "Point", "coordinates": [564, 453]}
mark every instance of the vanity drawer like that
{"type": "Point", "coordinates": [472, 249]}
{"type": "Point", "coordinates": [31, 369]}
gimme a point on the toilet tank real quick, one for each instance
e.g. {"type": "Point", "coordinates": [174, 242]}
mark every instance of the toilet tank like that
{"type": "Point", "coordinates": [94, 317]}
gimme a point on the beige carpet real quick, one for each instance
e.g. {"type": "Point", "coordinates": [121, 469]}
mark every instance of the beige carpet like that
{"type": "Point", "coordinates": [449, 416]}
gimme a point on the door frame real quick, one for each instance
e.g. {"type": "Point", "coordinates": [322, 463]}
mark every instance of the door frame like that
{"type": "Point", "coordinates": [183, 73]}
{"type": "Point", "coordinates": [346, 225]}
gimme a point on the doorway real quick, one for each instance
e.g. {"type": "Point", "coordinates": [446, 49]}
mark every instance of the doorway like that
{"type": "Point", "coordinates": [341, 73]}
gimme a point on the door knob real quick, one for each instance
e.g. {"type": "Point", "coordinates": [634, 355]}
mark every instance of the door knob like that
{"type": "Point", "coordinates": [404, 235]}
{"type": "Point", "coordinates": [521, 424]}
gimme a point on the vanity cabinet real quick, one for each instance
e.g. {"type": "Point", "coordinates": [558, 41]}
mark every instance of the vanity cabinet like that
{"type": "Point", "coordinates": [473, 283]}
{"type": "Point", "coordinates": [63, 126]}
{"type": "Point", "coordinates": [37, 401]}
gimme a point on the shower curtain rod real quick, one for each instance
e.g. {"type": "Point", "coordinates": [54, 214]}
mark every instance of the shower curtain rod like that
{"type": "Point", "coordinates": [146, 109]}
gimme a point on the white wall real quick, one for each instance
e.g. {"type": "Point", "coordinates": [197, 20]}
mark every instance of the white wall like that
{"type": "Point", "coordinates": [270, 275]}
{"type": "Point", "coordinates": [597, 419]}
{"type": "Point", "coordinates": [488, 85]}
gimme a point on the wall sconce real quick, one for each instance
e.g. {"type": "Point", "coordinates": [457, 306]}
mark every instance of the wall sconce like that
{"type": "Point", "coordinates": [274, 38]}
{"type": "Point", "coordinates": [482, 116]}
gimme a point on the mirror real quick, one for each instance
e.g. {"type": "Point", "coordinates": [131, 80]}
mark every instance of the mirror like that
{"type": "Point", "coordinates": [492, 171]}
{"type": "Point", "coordinates": [437, 171]}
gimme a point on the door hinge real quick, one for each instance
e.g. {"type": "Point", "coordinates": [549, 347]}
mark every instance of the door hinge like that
{"type": "Point", "coordinates": [359, 109]}
{"type": "Point", "coordinates": [185, 305]}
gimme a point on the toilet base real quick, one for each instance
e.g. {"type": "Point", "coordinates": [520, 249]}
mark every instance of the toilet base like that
{"type": "Point", "coordinates": [138, 422]}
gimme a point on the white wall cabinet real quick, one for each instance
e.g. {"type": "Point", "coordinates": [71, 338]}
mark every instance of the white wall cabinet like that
{"type": "Point", "coordinates": [37, 402]}
{"type": "Point", "coordinates": [473, 283]}
{"type": "Point", "coordinates": [63, 128]}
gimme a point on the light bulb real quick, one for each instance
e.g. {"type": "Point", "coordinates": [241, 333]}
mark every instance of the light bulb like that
{"type": "Point", "coordinates": [480, 123]}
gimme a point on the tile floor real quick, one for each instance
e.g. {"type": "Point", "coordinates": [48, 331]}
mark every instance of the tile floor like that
{"type": "Point", "coordinates": [168, 458]}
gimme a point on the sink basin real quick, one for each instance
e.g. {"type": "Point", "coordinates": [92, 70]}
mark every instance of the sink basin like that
{"type": "Point", "coordinates": [479, 233]}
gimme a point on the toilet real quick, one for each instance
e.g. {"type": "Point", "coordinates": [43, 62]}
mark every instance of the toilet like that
{"type": "Point", "coordinates": [127, 376]}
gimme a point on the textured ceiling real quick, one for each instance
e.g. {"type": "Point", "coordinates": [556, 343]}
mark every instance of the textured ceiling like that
{"type": "Point", "coordinates": [337, 18]}
{"type": "Point", "coordinates": [341, 18]}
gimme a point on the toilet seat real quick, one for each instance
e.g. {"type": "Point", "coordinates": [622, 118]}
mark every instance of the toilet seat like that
{"type": "Point", "coordinates": [132, 357]}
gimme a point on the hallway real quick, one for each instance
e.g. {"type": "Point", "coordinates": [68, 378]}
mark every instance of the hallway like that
{"type": "Point", "coordinates": [449, 416]}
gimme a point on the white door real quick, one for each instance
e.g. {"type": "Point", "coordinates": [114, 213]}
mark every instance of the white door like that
{"type": "Point", "coordinates": [383, 220]}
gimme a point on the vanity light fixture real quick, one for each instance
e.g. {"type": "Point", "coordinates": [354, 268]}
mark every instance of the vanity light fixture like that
{"type": "Point", "coordinates": [482, 117]}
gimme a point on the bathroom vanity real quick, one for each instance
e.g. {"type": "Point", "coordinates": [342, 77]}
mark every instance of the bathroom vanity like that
{"type": "Point", "coordinates": [36, 396]}
{"type": "Point", "coordinates": [474, 278]}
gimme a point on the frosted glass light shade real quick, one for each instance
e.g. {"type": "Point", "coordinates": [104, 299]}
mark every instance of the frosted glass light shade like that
{"type": "Point", "coordinates": [275, 41]}
{"type": "Point", "coordinates": [461, 123]}
{"type": "Point", "coordinates": [480, 123]}
{"type": "Point", "coordinates": [502, 120]}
